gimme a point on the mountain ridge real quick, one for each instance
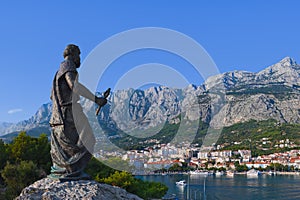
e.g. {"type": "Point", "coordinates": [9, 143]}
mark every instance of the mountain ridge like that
{"type": "Point", "coordinates": [270, 93]}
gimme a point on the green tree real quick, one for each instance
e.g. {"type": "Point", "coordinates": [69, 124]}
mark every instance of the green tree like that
{"type": "Point", "coordinates": [27, 159]}
{"type": "Point", "coordinates": [26, 148]}
{"type": "Point", "coordinates": [144, 189]}
{"type": "Point", "coordinates": [18, 176]}
{"type": "Point", "coordinates": [22, 148]}
{"type": "Point", "coordinates": [3, 154]}
{"type": "Point", "coordinates": [121, 179]}
{"type": "Point", "coordinates": [23, 161]}
{"type": "Point", "coordinates": [118, 163]}
{"type": "Point", "coordinates": [240, 168]}
{"type": "Point", "coordinates": [176, 168]}
{"type": "Point", "coordinates": [97, 170]}
{"type": "Point", "coordinates": [3, 159]}
{"type": "Point", "coordinates": [43, 157]}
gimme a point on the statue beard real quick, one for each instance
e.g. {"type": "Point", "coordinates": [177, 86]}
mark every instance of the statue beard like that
{"type": "Point", "coordinates": [77, 62]}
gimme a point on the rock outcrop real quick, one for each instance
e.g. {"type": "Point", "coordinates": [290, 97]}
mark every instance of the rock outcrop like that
{"type": "Point", "coordinates": [48, 189]}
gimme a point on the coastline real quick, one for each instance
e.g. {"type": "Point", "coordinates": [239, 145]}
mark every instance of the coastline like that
{"type": "Point", "coordinates": [236, 173]}
{"type": "Point", "coordinates": [285, 173]}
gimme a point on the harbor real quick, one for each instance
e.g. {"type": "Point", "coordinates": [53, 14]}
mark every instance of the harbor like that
{"type": "Point", "coordinates": [239, 186]}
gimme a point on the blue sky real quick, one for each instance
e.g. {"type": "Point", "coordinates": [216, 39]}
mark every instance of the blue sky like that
{"type": "Point", "coordinates": [238, 35]}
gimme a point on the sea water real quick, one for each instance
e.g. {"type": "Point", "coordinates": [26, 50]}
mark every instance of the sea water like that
{"type": "Point", "coordinates": [239, 187]}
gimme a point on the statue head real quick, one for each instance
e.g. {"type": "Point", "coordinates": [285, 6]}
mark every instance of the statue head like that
{"type": "Point", "coordinates": [72, 52]}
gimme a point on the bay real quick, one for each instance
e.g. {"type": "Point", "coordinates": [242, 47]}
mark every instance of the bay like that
{"type": "Point", "coordinates": [264, 187]}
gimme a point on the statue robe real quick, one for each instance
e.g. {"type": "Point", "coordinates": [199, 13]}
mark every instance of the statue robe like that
{"type": "Point", "coordinates": [72, 139]}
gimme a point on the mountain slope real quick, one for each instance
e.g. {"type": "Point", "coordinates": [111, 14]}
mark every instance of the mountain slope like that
{"type": "Point", "coordinates": [4, 126]}
{"type": "Point", "coordinates": [40, 120]}
{"type": "Point", "coordinates": [223, 100]}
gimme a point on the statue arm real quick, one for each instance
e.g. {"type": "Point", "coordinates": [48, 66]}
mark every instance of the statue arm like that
{"type": "Point", "coordinates": [72, 80]}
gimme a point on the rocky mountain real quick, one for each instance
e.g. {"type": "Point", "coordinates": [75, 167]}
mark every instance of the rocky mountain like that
{"type": "Point", "coordinates": [286, 72]}
{"type": "Point", "coordinates": [38, 123]}
{"type": "Point", "coordinates": [222, 100]}
{"type": "Point", "coordinates": [270, 93]}
{"type": "Point", "coordinates": [4, 126]}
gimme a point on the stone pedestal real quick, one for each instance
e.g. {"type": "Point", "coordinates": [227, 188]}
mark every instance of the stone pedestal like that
{"type": "Point", "coordinates": [49, 189]}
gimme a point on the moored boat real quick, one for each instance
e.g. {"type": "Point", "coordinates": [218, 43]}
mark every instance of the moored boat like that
{"type": "Point", "coordinates": [272, 173]}
{"type": "Point", "coordinates": [201, 173]}
{"type": "Point", "coordinates": [219, 173]}
{"type": "Point", "coordinates": [181, 183]}
{"type": "Point", "coordinates": [253, 173]}
{"type": "Point", "coordinates": [230, 173]}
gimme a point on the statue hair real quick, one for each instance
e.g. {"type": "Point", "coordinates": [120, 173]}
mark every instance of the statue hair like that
{"type": "Point", "coordinates": [71, 49]}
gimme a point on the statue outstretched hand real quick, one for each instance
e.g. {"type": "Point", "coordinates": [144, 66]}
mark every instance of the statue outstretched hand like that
{"type": "Point", "coordinates": [101, 101]}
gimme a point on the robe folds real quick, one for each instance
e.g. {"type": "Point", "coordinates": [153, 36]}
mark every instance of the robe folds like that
{"type": "Point", "coordinates": [72, 139]}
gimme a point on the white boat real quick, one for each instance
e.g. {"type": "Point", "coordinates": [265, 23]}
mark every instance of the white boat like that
{"type": "Point", "coordinates": [230, 173]}
{"type": "Point", "coordinates": [272, 173]}
{"type": "Point", "coordinates": [253, 173]}
{"type": "Point", "coordinates": [201, 173]}
{"type": "Point", "coordinates": [219, 173]}
{"type": "Point", "coordinates": [181, 183]}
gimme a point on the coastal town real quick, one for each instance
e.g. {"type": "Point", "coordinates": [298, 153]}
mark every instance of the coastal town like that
{"type": "Point", "coordinates": [163, 157]}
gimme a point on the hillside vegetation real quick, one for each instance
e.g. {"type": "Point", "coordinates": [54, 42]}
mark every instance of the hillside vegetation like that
{"type": "Point", "coordinates": [27, 159]}
{"type": "Point", "coordinates": [262, 137]}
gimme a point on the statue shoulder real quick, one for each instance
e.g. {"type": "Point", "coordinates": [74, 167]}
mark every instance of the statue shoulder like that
{"type": "Point", "coordinates": [66, 66]}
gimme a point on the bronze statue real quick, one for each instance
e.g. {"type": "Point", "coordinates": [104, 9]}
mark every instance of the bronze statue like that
{"type": "Point", "coordinates": [71, 144]}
